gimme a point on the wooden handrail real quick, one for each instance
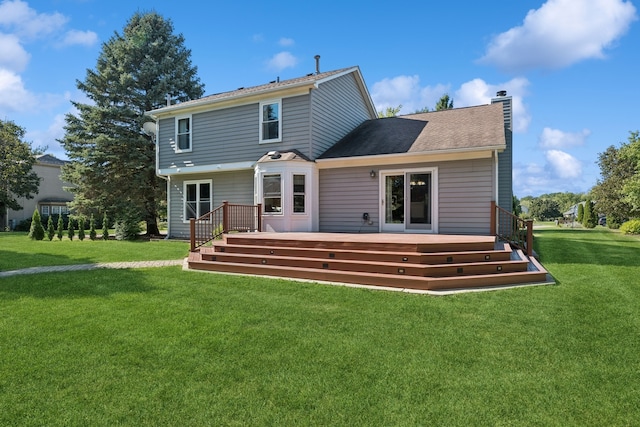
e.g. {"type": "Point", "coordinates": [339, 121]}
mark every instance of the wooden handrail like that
{"type": "Point", "coordinates": [223, 219]}
{"type": "Point", "coordinates": [510, 228]}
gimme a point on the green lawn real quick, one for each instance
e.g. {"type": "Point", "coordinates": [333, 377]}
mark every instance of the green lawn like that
{"type": "Point", "coordinates": [175, 348]}
{"type": "Point", "coordinates": [18, 251]}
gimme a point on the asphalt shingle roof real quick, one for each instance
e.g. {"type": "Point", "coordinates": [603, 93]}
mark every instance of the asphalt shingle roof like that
{"type": "Point", "coordinates": [447, 130]}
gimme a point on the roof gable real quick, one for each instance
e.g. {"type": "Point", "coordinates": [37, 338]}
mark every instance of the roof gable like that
{"type": "Point", "coordinates": [470, 128]}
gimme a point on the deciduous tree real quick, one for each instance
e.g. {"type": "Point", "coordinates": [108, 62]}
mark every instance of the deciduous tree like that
{"type": "Point", "coordinates": [112, 163]}
{"type": "Point", "coordinates": [17, 178]}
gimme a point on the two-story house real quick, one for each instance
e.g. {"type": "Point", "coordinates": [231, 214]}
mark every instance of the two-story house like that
{"type": "Point", "coordinates": [52, 198]}
{"type": "Point", "coordinates": [314, 154]}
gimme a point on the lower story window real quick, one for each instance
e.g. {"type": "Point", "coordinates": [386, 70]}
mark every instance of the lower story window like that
{"type": "Point", "coordinates": [299, 193]}
{"type": "Point", "coordinates": [197, 198]}
{"type": "Point", "coordinates": [272, 193]}
{"type": "Point", "coordinates": [44, 210]}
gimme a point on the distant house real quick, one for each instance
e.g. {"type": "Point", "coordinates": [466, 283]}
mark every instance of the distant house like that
{"type": "Point", "coordinates": [314, 154]}
{"type": "Point", "coordinates": [51, 198]}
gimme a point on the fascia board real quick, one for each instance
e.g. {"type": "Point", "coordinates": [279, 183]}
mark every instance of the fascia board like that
{"type": "Point", "coordinates": [408, 158]}
{"type": "Point", "coordinates": [232, 101]}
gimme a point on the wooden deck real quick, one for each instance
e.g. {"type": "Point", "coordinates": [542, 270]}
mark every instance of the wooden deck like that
{"type": "Point", "coordinates": [409, 261]}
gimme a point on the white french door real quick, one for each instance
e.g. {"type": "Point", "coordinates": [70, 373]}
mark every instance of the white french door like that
{"type": "Point", "coordinates": [408, 202]}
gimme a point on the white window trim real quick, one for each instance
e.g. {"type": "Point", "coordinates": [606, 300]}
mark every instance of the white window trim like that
{"type": "Point", "coordinates": [306, 193]}
{"type": "Point", "coordinates": [263, 103]}
{"type": "Point", "coordinates": [176, 146]}
{"type": "Point", "coordinates": [185, 219]}
{"type": "Point", "coordinates": [282, 196]}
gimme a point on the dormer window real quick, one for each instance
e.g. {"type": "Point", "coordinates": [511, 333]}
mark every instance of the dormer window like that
{"type": "Point", "coordinates": [183, 134]}
{"type": "Point", "coordinates": [270, 121]}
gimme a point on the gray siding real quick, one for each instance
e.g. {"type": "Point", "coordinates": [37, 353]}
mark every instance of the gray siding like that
{"type": "Point", "coordinates": [235, 187]}
{"type": "Point", "coordinates": [232, 134]}
{"type": "Point", "coordinates": [337, 108]}
{"type": "Point", "coordinates": [465, 192]}
{"type": "Point", "coordinates": [345, 194]}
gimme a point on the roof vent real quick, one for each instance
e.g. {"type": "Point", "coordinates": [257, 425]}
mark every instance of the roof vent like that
{"type": "Point", "coordinates": [501, 93]}
{"type": "Point", "coordinates": [317, 57]}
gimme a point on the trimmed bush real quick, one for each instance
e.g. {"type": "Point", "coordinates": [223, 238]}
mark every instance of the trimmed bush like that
{"type": "Point", "coordinates": [36, 231]}
{"type": "Point", "coordinates": [92, 228]}
{"type": "Point", "coordinates": [580, 215]}
{"type": "Point", "coordinates": [81, 229]}
{"type": "Point", "coordinates": [60, 230]}
{"type": "Point", "coordinates": [590, 218]}
{"type": "Point", "coordinates": [105, 227]}
{"type": "Point", "coordinates": [51, 231]}
{"type": "Point", "coordinates": [70, 230]}
{"type": "Point", "coordinates": [631, 227]}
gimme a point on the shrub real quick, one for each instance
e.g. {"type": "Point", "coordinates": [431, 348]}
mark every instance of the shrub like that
{"type": "Point", "coordinates": [36, 231]}
{"type": "Point", "coordinates": [81, 229]}
{"type": "Point", "coordinates": [580, 215]}
{"type": "Point", "coordinates": [105, 227]}
{"type": "Point", "coordinates": [60, 230]}
{"type": "Point", "coordinates": [70, 229]}
{"type": "Point", "coordinates": [631, 227]}
{"type": "Point", "coordinates": [51, 231]}
{"type": "Point", "coordinates": [590, 218]}
{"type": "Point", "coordinates": [92, 228]}
{"type": "Point", "coordinates": [24, 225]}
{"type": "Point", "coordinates": [127, 226]}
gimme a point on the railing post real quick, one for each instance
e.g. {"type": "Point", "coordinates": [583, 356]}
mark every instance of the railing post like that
{"type": "Point", "coordinates": [259, 217]}
{"type": "Point", "coordinates": [192, 233]}
{"type": "Point", "coordinates": [493, 218]}
{"type": "Point", "coordinates": [529, 237]}
{"type": "Point", "coordinates": [225, 216]}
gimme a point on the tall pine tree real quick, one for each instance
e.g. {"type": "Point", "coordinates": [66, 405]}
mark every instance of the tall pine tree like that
{"type": "Point", "coordinates": [112, 166]}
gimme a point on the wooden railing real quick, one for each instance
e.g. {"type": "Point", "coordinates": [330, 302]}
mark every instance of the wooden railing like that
{"type": "Point", "coordinates": [510, 228]}
{"type": "Point", "coordinates": [223, 219]}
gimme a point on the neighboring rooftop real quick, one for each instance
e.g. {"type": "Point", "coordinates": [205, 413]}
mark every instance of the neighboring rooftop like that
{"type": "Point", "coordinates": [49, 159]}
{"type": "Point", "coordinates": [479, 127]}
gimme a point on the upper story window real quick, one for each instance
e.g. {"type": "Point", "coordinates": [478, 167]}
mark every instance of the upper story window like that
{"type": "Point", "coordinates": [183, 134]}
{"type": "Point", "coordinates": [271, 121]}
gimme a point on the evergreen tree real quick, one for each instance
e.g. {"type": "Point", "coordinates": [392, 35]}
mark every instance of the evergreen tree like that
{"type": "Point", "coordinates": [70, 229]}
{"type": "Point", "coordinates": [92, 228]}
{"type": "Point", "coordinates": [112, 161]}
{"type": "Point", "coordinates": [36, 232]}
{"type": "Point", "coordinates": [444, 103]}
{"type": "Point", "coordinates": [51, 231]}
{"type": "Point", "coordinates": [590, 218]}
{"type": "Point", "coordinates": [60, 230]}
{"type": "Point", "coordinates": [17, 178]}
{"type": "Point", "coordinates": [105, 227]}
{"type": "Point", "coordinates": [81, 228]}
{"type": "Point", "coordinates": [580, 215]}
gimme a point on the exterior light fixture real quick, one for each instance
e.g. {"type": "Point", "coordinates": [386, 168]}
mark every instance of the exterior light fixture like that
{"type": "Point", "coordinates": [372, 174]}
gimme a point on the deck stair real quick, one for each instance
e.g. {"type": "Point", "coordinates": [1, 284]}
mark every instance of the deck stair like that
{"type": "Point", "coordinates": [424, 262]}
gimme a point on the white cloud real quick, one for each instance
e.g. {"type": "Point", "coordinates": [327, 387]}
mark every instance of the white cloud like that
{"type": "Point", "coordinates": [281, 61]}
{"type": "Point", "coordinates": [26, 22]}
{"type": "Point", "coordinates": [561, 33]}
{"type": "Point", "coordinates": [554, 138]}
{"type": "Point", "coordinates": [405, 91]}
{"type": "Point", "coordinates": [477, 92]}
{"type": "Point", "coordinates": [563, 165]}
{"type": "Point", "coordinates": [284, 41]}
{"type": "Point", "coordinates": [13, 57]}
{"type": "Point", "coordinates": [75, 37]}
{"type": "Point", "coordinates": [14, 97]}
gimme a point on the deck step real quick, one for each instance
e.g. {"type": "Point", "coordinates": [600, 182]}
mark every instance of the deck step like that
{"type": "Point", "coordinates": [374, 279]}
{"type": "Point", "coordinates": [503, 254]}
{"type": "Point", "coordinates": [408, 269]}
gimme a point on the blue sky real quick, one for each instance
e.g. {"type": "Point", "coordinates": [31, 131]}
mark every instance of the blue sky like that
{"type": "Point", "coordinates": [572, 66]}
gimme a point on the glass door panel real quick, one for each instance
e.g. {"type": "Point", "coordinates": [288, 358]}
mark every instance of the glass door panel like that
{"type": "Point", "coordinates": [419, 209]}
{"type": "Point", "coordinates": [394, 199]}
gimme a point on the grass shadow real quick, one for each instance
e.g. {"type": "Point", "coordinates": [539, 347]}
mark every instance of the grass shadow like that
{"type": "Point", "coordinates": [76, 284]}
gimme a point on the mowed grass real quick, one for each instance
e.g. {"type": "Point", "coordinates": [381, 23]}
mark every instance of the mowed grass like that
{"type": "Point", "coordinates": [171, 347]}
{"type": "Point", "coordinates": [18, 251]}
